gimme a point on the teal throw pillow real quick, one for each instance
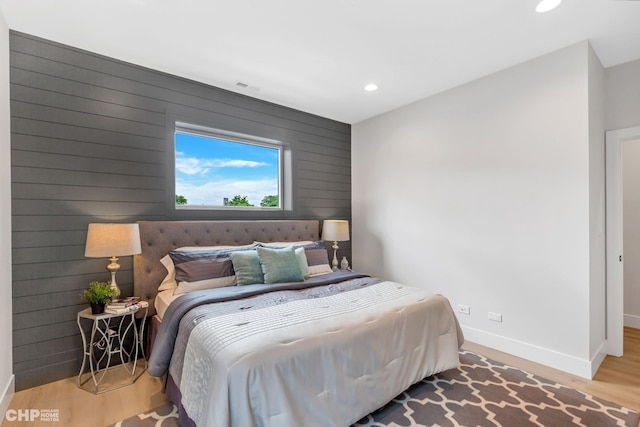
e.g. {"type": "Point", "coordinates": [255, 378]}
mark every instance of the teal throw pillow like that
{"type": "Point", "coordinates": [302, 262]}
{"type": "Point", "coordinates": [280, 265]}
{"type": "Point", "coordinates": [247, 267]}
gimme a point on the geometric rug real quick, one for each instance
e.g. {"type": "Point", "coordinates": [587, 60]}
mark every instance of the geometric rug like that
{"type": "Point", "coordinates": [480, 392]}
{"type": "Point", "coordinates": [483, 392]}
{"type": "Point", "coordinates": [163, 416]}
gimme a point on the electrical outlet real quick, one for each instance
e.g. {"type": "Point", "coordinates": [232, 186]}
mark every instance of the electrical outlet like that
{"type": "Point", "coordinates": [464, 309]}
{"type": "Point", "coordinates": [496, 317]}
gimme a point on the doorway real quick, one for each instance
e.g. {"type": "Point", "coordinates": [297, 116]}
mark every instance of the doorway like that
{"type": "Point", "coordinates": [615, 259]}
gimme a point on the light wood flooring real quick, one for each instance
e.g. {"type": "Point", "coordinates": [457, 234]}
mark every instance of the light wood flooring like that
{"type": "Point", "coordinates": [617, 380]}
{"type": "Point", "coordinates": [80, 408]}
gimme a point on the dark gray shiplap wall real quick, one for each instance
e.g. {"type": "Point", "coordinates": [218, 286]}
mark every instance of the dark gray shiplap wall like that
{"type": "Point", "coordinates": [89, 143]}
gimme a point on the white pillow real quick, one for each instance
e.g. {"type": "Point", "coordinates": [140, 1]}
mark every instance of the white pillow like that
{"type": "Point", "coordinates": [169, 281]}
{"type": "Point", "coordinates": [316, 270]}
{"type": "Point", "coordinates": [200, 285]}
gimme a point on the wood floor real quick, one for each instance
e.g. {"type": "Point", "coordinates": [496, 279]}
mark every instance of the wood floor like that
{"type": "Point", "coordinates": [79, 408]}
{"type": "Point", "coordinates": [617, 380]}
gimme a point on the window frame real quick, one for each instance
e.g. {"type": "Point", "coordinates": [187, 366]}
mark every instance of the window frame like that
{"type": "Point", "coordinates": [284, 169]}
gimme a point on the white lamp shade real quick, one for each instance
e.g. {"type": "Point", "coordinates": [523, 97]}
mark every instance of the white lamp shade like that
{"type": "Point", "coordinates": [109, 240]}
{"type": "Point", "coordinates": [335, 230]}
{"type": "Point", "coordinates": [547, 5]}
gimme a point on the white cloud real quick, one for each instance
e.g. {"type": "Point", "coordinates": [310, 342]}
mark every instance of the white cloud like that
{"type": "Point", "coordinates": [190, 165]}
{"type": "Point", "coordinates": [194, 165]}
{"type": "Point", "coordinates": [229, 163]}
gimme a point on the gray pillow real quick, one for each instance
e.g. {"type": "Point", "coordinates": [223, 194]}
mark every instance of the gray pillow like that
{"type": "Point", "coordinates": [280, 265]}
{"type": "Point", "coordinates": [194, 266]}
{"type": "Point", "coordinates": [318, 261]}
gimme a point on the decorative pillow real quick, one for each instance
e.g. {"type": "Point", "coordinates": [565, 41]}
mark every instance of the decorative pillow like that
{"type": "Point", "coordinates": [279, 265]}
{"type": "Point", "coordinates": [318, 261]}
{"type": "Point", "coordinates": [202, 270]}
{"type": "Point", "coordinates": [169, 281]}
{"type": "Point", "coordinates": [302, 261]}
{"type": "Point", "coordinates": [247, 267]}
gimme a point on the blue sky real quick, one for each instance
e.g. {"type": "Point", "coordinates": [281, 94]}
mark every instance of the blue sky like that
{"type": "Point", "coordinates": [208, 170]}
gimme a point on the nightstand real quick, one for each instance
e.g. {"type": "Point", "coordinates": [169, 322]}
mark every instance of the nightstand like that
{"type": "Point", "coordinates": [111, 354]}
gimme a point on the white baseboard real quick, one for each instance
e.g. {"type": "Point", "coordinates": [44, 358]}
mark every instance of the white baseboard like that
{"type": "Point", "coordinates": [581, 367]}
{"type": "Point", "coordinates": [7, 395]}
{"type": "Point", "coordinates": [598, 358]}
{"type": "Point", "coordinates": [632, 321]}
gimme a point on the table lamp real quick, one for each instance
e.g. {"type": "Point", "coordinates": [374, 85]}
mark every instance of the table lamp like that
{"type": "Point", "coordinates": [112, 240]}
{"type": "Point", "coordinates": [336, 230]}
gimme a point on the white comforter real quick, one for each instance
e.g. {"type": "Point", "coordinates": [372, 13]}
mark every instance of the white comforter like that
{"type": "Point", "coordinates": [320, 362]}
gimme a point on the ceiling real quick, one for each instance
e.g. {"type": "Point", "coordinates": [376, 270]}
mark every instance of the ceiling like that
{"type": "Point", "coordinates": [317, 55]}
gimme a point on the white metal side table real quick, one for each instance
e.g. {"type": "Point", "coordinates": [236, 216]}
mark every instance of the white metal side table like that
{"type": "Point", "coordinates": [111, 355]}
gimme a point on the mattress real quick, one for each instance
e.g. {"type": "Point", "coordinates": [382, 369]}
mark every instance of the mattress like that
{"type": "Point", "coordinates": [163, 300]}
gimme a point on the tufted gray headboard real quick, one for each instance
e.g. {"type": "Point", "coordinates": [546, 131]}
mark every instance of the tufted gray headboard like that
{"type": "Point", "coordinates": [157, 238]}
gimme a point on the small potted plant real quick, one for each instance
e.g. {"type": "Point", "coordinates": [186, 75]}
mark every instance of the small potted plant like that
{"type": "Point", "coordinates": [98, 294]}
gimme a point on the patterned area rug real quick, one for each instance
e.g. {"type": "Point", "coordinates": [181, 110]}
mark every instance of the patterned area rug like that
{"type": "Point", "coordinates": [162, 416]}
{"type": "Point", "coordinates": [481, 392]}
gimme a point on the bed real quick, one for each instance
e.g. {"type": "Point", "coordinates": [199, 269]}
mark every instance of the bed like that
{"type": "Point", "coordinates": [322, 349]}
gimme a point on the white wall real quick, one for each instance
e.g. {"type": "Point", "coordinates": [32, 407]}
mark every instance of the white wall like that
{"type": "Point", "coordinates": [482, 193]}
{"type": "Point", "coordinates": [597, 204]}
{"type": "Point", "coordinates": [631, 230]}
{"type": "Point", "coordinates": [6, 364]}
{"type": "Point", "coordinates": [622, 84]}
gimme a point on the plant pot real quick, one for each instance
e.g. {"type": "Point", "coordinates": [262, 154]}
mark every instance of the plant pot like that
{"type": "Point", "coordinates": [97, 308]}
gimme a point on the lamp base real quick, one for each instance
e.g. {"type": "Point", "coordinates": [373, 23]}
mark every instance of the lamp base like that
{"type": "Point", "coordinates": [334, 263]}
{"type": "Point", "coordinates": [117, 293]}
{"type": "Point", "coordinates": [113, 267]}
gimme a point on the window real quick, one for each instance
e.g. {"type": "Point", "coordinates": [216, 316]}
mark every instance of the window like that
{"type": "Point", "coordinates": [220, 170]}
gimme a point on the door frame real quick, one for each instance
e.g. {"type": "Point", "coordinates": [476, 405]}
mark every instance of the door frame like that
{"type": "Point", "coordinates": [615, 259]}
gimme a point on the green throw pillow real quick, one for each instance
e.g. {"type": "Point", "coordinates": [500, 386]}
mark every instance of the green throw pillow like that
{"type": "Point", "coordinates": [302, 262]}
{"type": "Point", "coordinates": [280, 265]}
{"type": "Point", "coordinates": [247, 267]}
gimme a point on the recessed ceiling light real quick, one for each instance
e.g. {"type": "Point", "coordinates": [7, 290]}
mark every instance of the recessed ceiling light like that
{"type": "Point", "coordinates": [371, 87]}
{"type": "Point", "coordinates": [547, 5]}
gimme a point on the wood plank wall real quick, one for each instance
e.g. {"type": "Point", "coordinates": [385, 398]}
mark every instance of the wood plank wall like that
{"type": "Point", "coordinates": [91, 140]}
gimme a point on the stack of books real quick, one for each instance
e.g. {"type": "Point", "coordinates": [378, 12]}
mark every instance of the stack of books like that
{"type": "Point", "coordinates": [125, 305]}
